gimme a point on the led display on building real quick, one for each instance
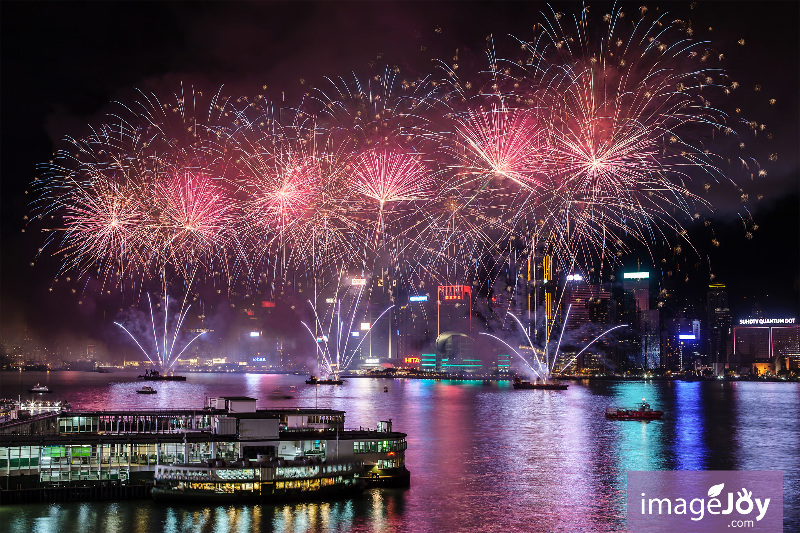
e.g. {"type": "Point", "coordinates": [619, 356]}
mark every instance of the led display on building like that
{"type": "Point", "coordinates": [636, 275]}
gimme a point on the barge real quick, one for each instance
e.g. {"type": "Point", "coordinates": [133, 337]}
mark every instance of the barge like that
{"type": "Point", "coordinates": [156, 376]}
{"type": "Point", "coordinates": [314, 380]}
{"type": "Point", "coordinates": [520, 384]}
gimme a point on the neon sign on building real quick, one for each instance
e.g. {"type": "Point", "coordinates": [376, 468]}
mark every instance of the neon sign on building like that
{"type": "Point", "coordinates": [766, 321]}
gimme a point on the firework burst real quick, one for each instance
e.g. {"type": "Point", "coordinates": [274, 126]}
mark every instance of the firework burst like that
{"type": "Point", "coordinates": [593, 138]}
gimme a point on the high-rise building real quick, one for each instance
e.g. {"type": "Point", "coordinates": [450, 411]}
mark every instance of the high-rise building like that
{"type": "Point", "coordinates": [718, 328]}
{"type": "Point", "coordinates": [454, 309]}
{"type": "Point", "coordinates": [650, 327]}
{"type": "Point", "coordinates": [786, 347]}
{"type": "Point", "coordinates": [587, 303]}
{"type": "Point", "coordinates": [681, 344]}
{"type": "Point", "coordinates": [642, 318]}
{"type": "Point", "coordinates": [550, 286]}
{"type": "Point", "coordinates": [638, 285]}
{"type": "Point", "coordinates": [454, 345]}
{"type": "Point", "coordinates": [381, 344]}
{"type": "Point", "coordinates": [776, 340]}
{"type": "Point", "coordinates": [415, 318]}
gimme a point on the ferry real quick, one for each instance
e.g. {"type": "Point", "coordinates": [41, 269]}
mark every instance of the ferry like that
{"type": "Point", "coordinates": [39, 389]}
{"type": "Point", "coordinates": [520, 384]}
{"type": "Point", "coordinates": [228, 449]}
{"type": "Point", "coordinates": [146, 390]}
{"type": "Point", "coordinates": [643, 412]}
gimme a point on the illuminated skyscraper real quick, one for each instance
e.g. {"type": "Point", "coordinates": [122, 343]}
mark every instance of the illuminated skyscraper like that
{"type": "Point", "coordinates": [454, 309]}
{"type": "Point", "coordinates": [644, 319]}
{"type": "Point", "coordinates": [549, 290]}
{"type": "Point", "coordinates": [776, 340]}
{"type": "Point", "coordinates": [454, 345]}
{"type": "Point", "coordinates": [719, 328]}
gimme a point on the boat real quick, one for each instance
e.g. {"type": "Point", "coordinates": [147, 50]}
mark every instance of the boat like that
{"type": "Point", "coordinates": [146, 390]}
{"type": "Point", "coordinates": [278, 394]}
{"type": "Point", "coordinates": [643, 412]}
{"type": "Point", "coordinates": [154, 375]}
{"type": "Point", "coordinates": [39, 389]}
{"type": "Point", "coordinates": [520, 384]}
{"type": "Point", "coordinates": [314, 380]}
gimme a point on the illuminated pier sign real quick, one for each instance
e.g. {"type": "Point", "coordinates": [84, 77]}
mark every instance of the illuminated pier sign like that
{"type": "Point", "coordinates": [766, 321]}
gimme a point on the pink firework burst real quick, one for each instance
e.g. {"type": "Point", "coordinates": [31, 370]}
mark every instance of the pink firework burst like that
{"type": "Point", "coordinates": [284, 191]}
{"type": "Point", "coordinates": [505, 142]}
{"type": "Point", "coordinates": [195, 218]}
{"type": "Point", "coordinates": [103, 225]}
{"type": "Point", "coordinates": [388, 176]}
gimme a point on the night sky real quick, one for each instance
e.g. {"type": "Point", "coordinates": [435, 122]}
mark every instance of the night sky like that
{"type": "Point", "coordinates": [64, 62]}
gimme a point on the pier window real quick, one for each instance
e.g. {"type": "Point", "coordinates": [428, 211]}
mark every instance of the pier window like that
{"type": "Point", "coordinates": [314, 448]}
{"type": "Point", "coordinates": [199, 452]}
{"type": "Point", "coordinates": [379, 446]}
{"type": "Point", "coordinates": [227, 450]}
{"type": "Point", "coordinates": [78, 424]}
{"type": "Point", "coordinates": [388, 463]}
{"type": "Point", "coordinates": [80, 454]}
{"type": "Point", "coordinates": [53, 455]}
{"type": "Point", "coordinates": [171, 452]}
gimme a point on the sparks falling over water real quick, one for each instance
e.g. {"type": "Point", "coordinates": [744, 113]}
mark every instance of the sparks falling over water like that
{"type": "Point", "coordinates": [166, 349]}
{"type": "Point", "coordinates": [335, 347]}
{"type": "Point", "coordinates": [543, 363]}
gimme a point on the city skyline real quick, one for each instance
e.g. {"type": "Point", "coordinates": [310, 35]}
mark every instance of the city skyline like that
{"type": "Point", "coordinates": [738, 261]}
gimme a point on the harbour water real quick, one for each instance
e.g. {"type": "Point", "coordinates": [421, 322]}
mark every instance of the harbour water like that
{"type": "Point", "coordinates": [482, 456]}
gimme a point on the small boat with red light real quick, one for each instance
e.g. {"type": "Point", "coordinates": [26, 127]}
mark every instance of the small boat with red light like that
{"type": "Point", "coordinates": [643, 412]}
{"type": "Point", "coordinates": [543, 385]}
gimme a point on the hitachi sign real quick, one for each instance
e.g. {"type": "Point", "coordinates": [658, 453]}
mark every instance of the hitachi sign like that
{"type": "Point", "coordinates": [766, 321]}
